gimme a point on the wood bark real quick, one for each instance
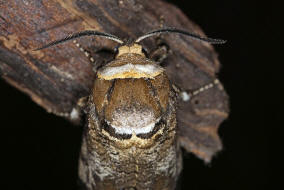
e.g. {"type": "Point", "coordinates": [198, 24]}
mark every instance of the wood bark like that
{"type": "Point", "coordinates": [57, 77]}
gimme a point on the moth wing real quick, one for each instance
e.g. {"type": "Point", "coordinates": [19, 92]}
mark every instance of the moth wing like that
{"type": "Point", "coordinates": [199, 118]}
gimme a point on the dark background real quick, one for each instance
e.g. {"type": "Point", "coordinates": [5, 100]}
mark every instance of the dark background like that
{"type": "Point", "coordinates": [40, 150]}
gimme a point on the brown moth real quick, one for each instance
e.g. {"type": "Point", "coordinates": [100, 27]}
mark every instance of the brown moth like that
{"type": "Point", "coordinates": [130, 140]}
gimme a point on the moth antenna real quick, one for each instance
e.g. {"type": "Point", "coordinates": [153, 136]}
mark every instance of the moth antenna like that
{"type": "Point", "coordinates": [174, 30]}
{"type": "Point", "coordinates": [80, 34]}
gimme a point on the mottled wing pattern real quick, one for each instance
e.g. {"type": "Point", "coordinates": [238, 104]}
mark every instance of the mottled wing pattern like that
{"type": "Point", "coordinates": [198, 122]}
{"type": "Point", "coordinates": [199, 118]}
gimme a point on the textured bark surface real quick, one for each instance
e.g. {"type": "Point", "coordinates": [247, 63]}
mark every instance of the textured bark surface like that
{"type": "Point", "coordinates": [57, 77]}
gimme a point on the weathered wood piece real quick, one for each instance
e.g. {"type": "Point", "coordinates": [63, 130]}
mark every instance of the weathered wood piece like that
{"type": "Point", "coordinates": [57, 77]}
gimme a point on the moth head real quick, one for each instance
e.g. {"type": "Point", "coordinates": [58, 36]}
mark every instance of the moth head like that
{"type": "Point", "coordinates": [133, 48]}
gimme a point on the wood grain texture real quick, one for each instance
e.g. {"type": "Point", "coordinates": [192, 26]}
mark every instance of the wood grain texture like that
{"type": "Point", "coordinates": [57, 77]}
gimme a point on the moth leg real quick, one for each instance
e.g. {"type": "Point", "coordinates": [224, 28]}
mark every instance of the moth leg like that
{"type": "Point", "coordinates": [187, 95]}
{"type": "Point", "coordinates": [78, 110]}
{"type": "Point", "coordinates": [97, 58]}
{"type": "Point", "coordinates": [82, 103]}
{"type": "Point", "coordinates": [161, 53]}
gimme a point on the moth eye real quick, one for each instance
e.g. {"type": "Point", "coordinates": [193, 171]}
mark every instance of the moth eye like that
{"type": "Point", "coordinates": [144, 50]}
{"type": "Point", "coordinates": [116, 50]}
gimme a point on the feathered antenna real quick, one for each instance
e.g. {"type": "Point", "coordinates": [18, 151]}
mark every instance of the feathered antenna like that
{"type": "Point", "coordinates": [80, 34]}
{"type": "Point", "coordinates": [174, 30]}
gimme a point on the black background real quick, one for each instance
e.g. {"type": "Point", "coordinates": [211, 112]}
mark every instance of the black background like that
{"type": "Point", "coordinates": [40, 150]}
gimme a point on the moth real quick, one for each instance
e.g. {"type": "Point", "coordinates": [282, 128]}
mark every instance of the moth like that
{"type": "Point", "coordinates": [130, 138]}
